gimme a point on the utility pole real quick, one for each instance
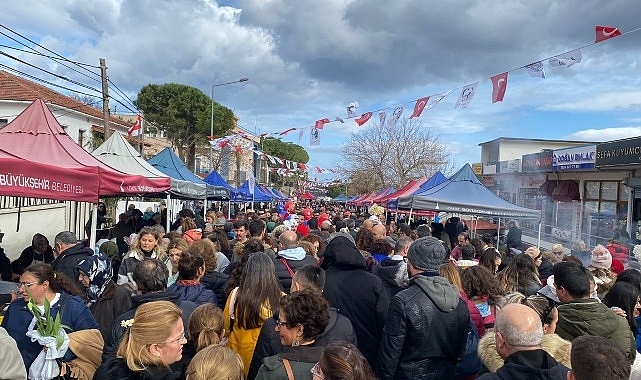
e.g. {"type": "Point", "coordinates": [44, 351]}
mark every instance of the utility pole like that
{"type": "Point", "coordinates": [105, 98]}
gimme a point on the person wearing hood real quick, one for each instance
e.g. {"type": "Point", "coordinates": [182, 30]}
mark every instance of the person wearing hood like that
{"type": "Point", "coordinates": [69, 252]}
{"type": "Point", "coordinates": [38, 251]}
{"type": "Point", "coordinates": [427, 324]}
{"type": "Point", "coordinates": [356, 293]}
{"type": "Point", "coordinates": [106, 299]}
{"type": "Point", "coordinates": [290, 257]}
{"type": "Point", "coordinates": [339, 328]}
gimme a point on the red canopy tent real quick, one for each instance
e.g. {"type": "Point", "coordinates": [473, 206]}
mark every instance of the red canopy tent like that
{"type": "Point", "coordinates": [306, 196]}
{"type": "Point", "coordinates": [41, 159]}
{"type": "Point", "coordinates": [367, 198]}
{"type": "Point", "coordinates": [358, 200]}
{"type": "Point", "coordinates": [409, 188]}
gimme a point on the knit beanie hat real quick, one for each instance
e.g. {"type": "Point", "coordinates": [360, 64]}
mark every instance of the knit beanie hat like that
{"type": "Point", "coordinates": [601, 259]}
{"type": "Point", "coordinates": [426, 253]}
{"type": "Point", "coordinates": [617, 266]}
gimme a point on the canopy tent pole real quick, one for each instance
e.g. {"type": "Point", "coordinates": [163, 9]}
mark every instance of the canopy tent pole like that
{"type": "Point", "coordinates": [229, 209]}
{"type": "Point", "coordinates": [409, 217]}
{"type": "Point", "coordinates": [538, 241]}
{"type": "Point", "coordinates": [19, 214]}
{"type": "Point", "coordinates": [498, 234]}
{"type": "Point", "coordinates": [167, 209]}
{"type": "Point", "coordinates": [94, 222]}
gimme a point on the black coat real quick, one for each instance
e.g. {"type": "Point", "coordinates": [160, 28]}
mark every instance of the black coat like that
{"type": "Point", "coordinates": [339, 328]}
{"type": "Point", "coordinates": [5, 266]}
{"type": "Point", "coordinates": [215, 281]}
{"type": "Point", "coordinates": [528, 365]}
{"type": "Point", "coordinates": [425, 332]}
{"type": "Point", "coordinates": [357, 294]}
{"type": "Point", "coordinates": [284, 277]}
{"type": "Point", "coordinates": [116, 369]}
{"type": "Point", "coordinates": [117, 331]}
{"type": "Point", "coordinates": [114, 301]}
{"type": "Point", "coordinates": [68, 260]}
{"type": "Point", "coordinates": [27, 257]}
{"type": "Point", "coordinates": [513, 238]}
{"type": "Point", "coordinates": [388, 271]}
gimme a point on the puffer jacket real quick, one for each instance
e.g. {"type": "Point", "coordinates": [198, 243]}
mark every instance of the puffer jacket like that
{"type": "Point", "coordinates": [425, 332]}
{"type": "Point", "coordinates": [357, 294]}
{"type": "Point", "coordinates": [528, 365]}
{"type": "Point", "coordinates": [68, 260]}
{"type": "Point", "coordinates": [193, 291]}
{"type": "Point", "coordinates": [553, 344]}
{"type": "Point", "coordinates": [591, 317]}
{"type": "Point", "coordinates": [284, 277]}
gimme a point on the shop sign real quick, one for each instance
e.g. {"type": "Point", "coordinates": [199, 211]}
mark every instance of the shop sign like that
{"type": "Point", "coordinates": [510, 166]}
{"type": "Point", "coordinates": [537, 162]}
{"type": "Point", "coordinates": [617, 153]}
{"type": "Point", "coordinates": [477, 168]}
{"type": "Point", "coordinates": [487, 180]}
{"type": "Point", "coordinates": [576, 158]}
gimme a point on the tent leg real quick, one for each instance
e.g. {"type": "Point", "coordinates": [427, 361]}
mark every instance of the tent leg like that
{"type": "Point", "coordinates": [94, 223]}
{"type": "Point", "coordinates": [409, 217]}
{"type": "Point", "coordinates": [168, 217]}
{"type": "Point", "coordinates": [229, 210]}
{"type": "Point", "coordinates": [19, 214]}
{"type": "Point", "coordinates": [538, 240]}
{"type": "Point", "coordinates": [498, 234]}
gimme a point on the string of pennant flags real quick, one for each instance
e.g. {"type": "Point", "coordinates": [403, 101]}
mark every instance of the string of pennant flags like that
{"type": "Point", "coordinates": [466, 95]}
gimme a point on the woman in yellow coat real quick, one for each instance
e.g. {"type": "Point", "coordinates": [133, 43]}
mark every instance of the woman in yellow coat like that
{"type": "Point", "coordinates": [250, 304]}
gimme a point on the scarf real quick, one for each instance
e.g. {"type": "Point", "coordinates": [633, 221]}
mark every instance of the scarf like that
{"type": "Point", "coordinates": [98, 269]}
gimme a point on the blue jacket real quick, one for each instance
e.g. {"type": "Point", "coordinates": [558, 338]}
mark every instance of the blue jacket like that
{"type": "Point", "coordinates": [196, 293]}
{"type": "Point", "coordinates": [75, 315]}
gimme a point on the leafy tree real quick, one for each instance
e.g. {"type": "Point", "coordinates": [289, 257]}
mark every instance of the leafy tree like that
{"type": "Point", "coordinates": [382, 156]}
{"type": "Point", "coordinates": [184, 113]}
{"type": "Point", "coordinates": [286, 150]}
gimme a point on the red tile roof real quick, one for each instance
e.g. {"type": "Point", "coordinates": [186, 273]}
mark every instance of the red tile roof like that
{"type": "Point", "coordinates": [15, 88]}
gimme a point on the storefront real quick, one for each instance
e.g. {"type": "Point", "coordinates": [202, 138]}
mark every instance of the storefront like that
{"type": "Point", "coordinates": [615, 206]}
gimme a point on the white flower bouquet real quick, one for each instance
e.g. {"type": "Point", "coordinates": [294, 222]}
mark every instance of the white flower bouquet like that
{"type": "Point", "coordinates": [50, 333]}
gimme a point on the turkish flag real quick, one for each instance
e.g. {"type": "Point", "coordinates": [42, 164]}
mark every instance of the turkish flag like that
{"type": "Point", "coordinates": [135, 129]}
{"type": "Point", "coordinates": [363, 119]}
{"type": "Point", "coordinates": [605, 33]}
{"type": "Point", "coordinates": [321, 123]}
{"type": "Point", "coordinates": [419, 106]}
{"type": "Point", "coordinates": [499, 85]}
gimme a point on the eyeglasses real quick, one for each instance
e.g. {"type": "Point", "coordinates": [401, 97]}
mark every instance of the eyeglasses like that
{"type": "Point", "coordinates": [179, 339]}
{"type": "Point", "coordinates": [280, 323]}
{"type": "Point", "coordinates": [27, 284]}
{"type": "Point", "coordinates": [316, 371]}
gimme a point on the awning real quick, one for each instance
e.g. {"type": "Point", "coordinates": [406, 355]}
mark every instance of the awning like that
{"type": "Point", "coordinates": [566, 191]}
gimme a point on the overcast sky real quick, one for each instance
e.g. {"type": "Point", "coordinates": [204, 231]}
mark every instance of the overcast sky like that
{"type": "Point", "coordinates": [307, 60]}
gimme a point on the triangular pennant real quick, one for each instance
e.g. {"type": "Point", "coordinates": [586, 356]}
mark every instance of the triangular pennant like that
{"type": "Point", "coordinates": [363, 119]}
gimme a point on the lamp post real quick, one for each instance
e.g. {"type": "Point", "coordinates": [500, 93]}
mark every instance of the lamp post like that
{"type": "Point", "coordinates": [211, 148]}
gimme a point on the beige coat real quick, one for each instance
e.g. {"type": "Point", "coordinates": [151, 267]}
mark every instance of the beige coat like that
{"type": "Point", "coordinates": [553, 344]}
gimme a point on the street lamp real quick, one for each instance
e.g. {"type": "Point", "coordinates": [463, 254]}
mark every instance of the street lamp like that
{"type": "Point", "coordinates": [211, 135]}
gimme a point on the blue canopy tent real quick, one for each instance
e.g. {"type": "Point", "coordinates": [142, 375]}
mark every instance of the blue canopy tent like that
{"type": "Point", "coordinates": [191, 186]}
{"type": "Point", "coordinates": [244, 195]}
{"type": "Point", "coordinates": [215, 179]}
{"type": "Point", "coordinates": [464, 193]}
{"type": "Point", "coordinates": [342, 198]}
{"type": "Point", "coordinates": [280, 194]}
{"type": "Point", "coordinates": [278, 197]}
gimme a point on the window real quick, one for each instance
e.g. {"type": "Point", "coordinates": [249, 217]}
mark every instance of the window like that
{"type": "Point", "coordinates": [605, 210]}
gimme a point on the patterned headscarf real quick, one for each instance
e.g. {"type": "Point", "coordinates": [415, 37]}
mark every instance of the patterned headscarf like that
{"type": "Point", "coordinates": [98, 269]}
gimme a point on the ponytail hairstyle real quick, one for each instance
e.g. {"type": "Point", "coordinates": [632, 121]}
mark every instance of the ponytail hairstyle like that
{"type": "Point", "coordinates": [205, 326]}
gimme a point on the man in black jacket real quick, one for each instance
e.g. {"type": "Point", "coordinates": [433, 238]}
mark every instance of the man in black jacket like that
{"type": "Point", "coordinates": [356, 293]}
{"type": "Point", "coordinates": [339, 328]}
{"type": "Point", "coordinates": [427, 323]}
{"type": "Point", "coordinates": [518, 334]}
{"type": "Point", "coordinates": [150, 276]}
{"type": "Point", "coordinates": [69, 253]}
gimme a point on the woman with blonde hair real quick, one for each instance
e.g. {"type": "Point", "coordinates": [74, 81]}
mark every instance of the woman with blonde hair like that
{"type": "Point", "coordinates": [153, 342]}
{"type": "Point", "coordinates": [206, 326]}
{"type": "Point", "coordinates": [146, 244]}
{"type": "Point", "coordinates": [216, 363]}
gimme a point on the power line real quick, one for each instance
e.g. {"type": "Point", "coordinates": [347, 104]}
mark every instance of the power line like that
{"type": "Point", "coordinates": [42, 80]}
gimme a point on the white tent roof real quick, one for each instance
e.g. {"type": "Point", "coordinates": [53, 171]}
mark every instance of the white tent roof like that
{"type": "Point", "coordinates": [119, 154]}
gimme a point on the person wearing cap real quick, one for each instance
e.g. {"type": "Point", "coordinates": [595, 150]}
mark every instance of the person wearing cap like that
{"type": "Point", "coordinates": [600, 264]}
{"type": "Point", "coordinates": [427, 323]}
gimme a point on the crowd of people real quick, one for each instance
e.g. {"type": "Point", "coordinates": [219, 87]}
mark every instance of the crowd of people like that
{"type": "Point", "coordinates": [322, 293]}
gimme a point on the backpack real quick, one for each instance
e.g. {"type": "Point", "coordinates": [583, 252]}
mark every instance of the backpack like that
{"type": "Point", "coordinates": [469, 362]}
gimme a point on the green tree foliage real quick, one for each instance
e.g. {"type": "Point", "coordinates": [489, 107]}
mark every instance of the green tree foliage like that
{"type": "Point", "coordinates": [288, 151]}
{"type": "Point", "coordinates": [285, 150]}
{"type": "Point", "coordinates": [184, 113]}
